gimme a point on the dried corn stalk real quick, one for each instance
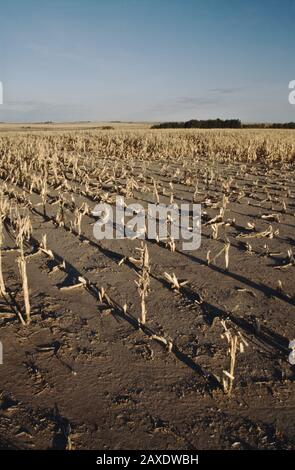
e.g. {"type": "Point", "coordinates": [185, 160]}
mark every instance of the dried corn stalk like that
{"type": "Point", "coordinates": [24, 230]}
{"type": "Point", "coordinates": [143, 282]}
{"type": "Point", "coordinates": [236, 344]}
{"type": "Point", "coordinates": [4, 206]}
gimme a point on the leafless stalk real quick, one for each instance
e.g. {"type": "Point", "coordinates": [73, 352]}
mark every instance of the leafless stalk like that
{"type": "Point", "coordinates": [143, 282]}
{"type": "Point", "coordinates": [24, 230]}
{"type": "Point", "coordinates": [236, 344]}
{"type": "Point", "coordinates": [3, 212]}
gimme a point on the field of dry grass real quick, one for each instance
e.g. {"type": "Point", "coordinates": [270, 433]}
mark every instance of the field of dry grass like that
{"type": "Point", "coordinates": [206, 366]}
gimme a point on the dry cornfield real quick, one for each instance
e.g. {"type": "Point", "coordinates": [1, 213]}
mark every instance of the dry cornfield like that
{"type": "Point", "coordinates": [117, 344]}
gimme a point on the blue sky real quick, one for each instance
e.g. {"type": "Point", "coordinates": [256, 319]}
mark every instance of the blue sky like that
{"type": "Point", "coordinates": [66, 60]}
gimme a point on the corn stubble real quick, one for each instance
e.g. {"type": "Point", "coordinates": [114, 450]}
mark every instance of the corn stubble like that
{"type": "Point", "coordinates": [143, 282]}
{"type": "Point", "coordinates": [61, 169]}
{"type": "Point", "coordinates": [24, 230]}
{"type": "Point", "coordinates": [236, 344]}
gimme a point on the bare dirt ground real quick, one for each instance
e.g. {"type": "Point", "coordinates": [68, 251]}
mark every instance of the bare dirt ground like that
{"type": "Point", "coordinates": [83, 374]}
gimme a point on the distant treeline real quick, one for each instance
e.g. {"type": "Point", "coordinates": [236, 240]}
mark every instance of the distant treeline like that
{"type": "Point", "coordinates": [221, 124]}
{"type": "Point", "coordinates": [276, 125]}
{"type": "Point", "coordinates": [201, 124]}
